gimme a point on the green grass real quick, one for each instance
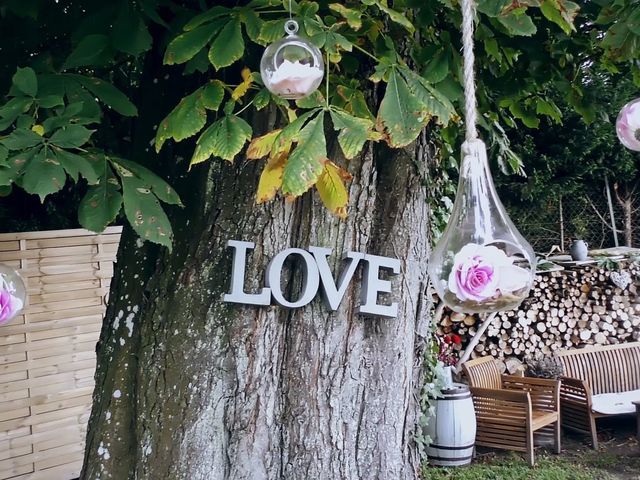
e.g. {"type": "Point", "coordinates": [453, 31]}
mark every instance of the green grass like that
{"type": "Point", "coordinates": [512, 467]}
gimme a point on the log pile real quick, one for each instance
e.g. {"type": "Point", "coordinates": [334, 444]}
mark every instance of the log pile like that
{"type": "Point", "coordinates": [565, 309]}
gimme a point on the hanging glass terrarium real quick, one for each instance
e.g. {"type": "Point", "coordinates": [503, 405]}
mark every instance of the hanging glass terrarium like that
{"type": "Point", "coordinates": [481, 263]}
{"type": "Point", "coordinates": [628, 125]}
{"type": "Point", "coordinates": [13, 294]}
{"type": "Point", "coordinates": [292, 67]}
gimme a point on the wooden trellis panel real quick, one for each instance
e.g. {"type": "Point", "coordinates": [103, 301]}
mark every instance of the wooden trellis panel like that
{"type": "Point", "coordinates": [47, 355]}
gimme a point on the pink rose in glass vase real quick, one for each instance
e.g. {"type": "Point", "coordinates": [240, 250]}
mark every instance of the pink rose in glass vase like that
{"type": "Point", "coordinates": [8, 306]}
{"type": "Point", "coordinates": [483, 272]}
{"type": "Point", "coordinates": [628, 125]}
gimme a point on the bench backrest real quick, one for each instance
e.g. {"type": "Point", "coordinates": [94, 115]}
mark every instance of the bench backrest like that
{"type": "Point", "coordinates": [607, 369]}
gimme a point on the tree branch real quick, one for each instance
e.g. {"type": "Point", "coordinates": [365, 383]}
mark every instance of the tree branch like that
{"type": "Point", "coordinates": [602, 219]}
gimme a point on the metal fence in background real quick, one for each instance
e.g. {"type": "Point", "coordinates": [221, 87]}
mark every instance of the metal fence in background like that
{"type": "Point", "coordinates": [586, 216]}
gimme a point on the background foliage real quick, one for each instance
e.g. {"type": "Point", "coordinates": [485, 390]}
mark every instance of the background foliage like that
{"type": "Point", "coordinates": [74, 70]}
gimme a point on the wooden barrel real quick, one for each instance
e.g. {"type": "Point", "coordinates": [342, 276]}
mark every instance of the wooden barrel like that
{"type": "Point", "coordinates": [452, 429]}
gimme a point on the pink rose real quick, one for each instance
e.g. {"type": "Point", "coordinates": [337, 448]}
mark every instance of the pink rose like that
{"type": "Point", "coordinates": [482, 272]}
{"type": "Point", "coordinates": [628, 125]}
{"type": "Point", "coordinates": [7, 306]}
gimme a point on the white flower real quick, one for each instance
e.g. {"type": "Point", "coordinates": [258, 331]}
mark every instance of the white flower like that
{"type": "Point", "coordinates": [294, 78]}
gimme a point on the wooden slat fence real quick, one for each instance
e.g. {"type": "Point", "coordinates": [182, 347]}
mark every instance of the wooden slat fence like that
{"type": "Point", "coordinates": [47, 355]}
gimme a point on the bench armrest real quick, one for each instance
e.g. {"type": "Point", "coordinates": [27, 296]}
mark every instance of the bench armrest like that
{"type": "Point", "coordinates": [575, 391]}
{"type": "Point", "coordinates": [545, 393]}
{"type": "Point", "coordinates": [505, 407]}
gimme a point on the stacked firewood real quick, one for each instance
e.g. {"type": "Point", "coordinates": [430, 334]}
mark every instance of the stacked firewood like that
{"type": "Point", "coordinates": [565, 309]}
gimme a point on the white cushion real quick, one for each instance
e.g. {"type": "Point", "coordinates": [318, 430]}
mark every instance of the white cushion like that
{"type": "Point", "coordinates": [615, 403]}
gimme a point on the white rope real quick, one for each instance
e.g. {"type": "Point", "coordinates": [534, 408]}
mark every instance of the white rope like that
{"type": "Point", "coordinates": [471, 113]}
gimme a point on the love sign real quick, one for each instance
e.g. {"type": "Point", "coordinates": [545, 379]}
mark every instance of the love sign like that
{"type": "Point", "coordinates": [316, 273]}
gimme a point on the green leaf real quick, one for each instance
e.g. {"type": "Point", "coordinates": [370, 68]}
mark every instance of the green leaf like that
{"type": "Point", "coordinates": [4, 154]}
{"type": "Point", "coordinates": [102, 202]}
{"type": "Point", "coordinates": [144, 212]}
{"type": "Point", "coordinates": [76, 165]}
{"type": "Point", "coordinates": [184, 121]}
{"type": "Point", "coordinates": [397, 17]}
{"type": "Point", "coordinates": [352, 16]}
{"type": "Point", "coordinates": [262, 99]}
{"type": "Point", "coordinates": [71, 136]}
{"type": "Point", "coordinates": [354, 132]}
{"type": "Point", "coordinates": [306, 162]}
{"type": "Point", "coordinates": [26, 81]}
{"type": "Point", "coordinates": [549, 108]}
{"type": "Point", "coordinates": [212, 13]}
{"type": "Point", "coordinates": [89, 110]}
{"type": "Point", "coordinates": [228, 45]}
{"type": "Point", "coordinates": [16, 164]}
{"type": "Point", "coordinates": [50, 101]}
{"type": "Point", "coordinates": [518, 24]}
{"type": "Point", "coordinates": [43, 175]}
{"type": "Point", "coordinates": [271, 31]}
{"type": "Point", "coordinates": [492, 8]}
{"type": "Point", "coordinates": [252, 23]}
{"type": "Point", "coordinates": [108, 94]}
{"type": "Point", "coordinates": [89, 51]}
{"type": "Point", "coordinates": [436, 104]}
{"type": "Point", "coordinates": [400, 115]}
{"type": "Point", "coordinates": [185, 46]}
{"type": "Point", "coordinates": [633, 21]}
{"type": "Point", "coordinates": [158, 186]}
{"type": "Point", "coordinates": [555, 12]}
{"type": "Point", "coordinates": [212, 94]}
{"type": "Point", "coordinates": [438, 67]}
{"type": "Point", "coordinates": [14, 107]}
{"type": "Point", "coordinates": [130, 34]}
{"type": "Point", "coordinates": [224, 138]}
{"type": "Point", "coordinates": [20, 139]}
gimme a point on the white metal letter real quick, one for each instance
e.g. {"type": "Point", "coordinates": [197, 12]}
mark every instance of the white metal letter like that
{"type": "Point", "coordinates": [333, 294]}
{"type": "Point", "coordinates": [310, 281]}
{"type": "Point", "coordinates": [372, 284]}
{"type": "Point", "coordinates": [237, 294]}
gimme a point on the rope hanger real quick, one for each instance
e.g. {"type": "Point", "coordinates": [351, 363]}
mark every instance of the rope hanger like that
{"type": "Point", "coordinates": [471, 112]}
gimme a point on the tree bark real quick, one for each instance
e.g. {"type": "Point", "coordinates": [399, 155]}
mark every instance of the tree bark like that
{"type": "Point", "coordinates": [189, 387]}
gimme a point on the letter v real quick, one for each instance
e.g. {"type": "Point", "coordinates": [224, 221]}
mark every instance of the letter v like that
{"type": "Point", "coordinates": [333, 294]}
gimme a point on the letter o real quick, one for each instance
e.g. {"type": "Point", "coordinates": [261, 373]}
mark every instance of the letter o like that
{"type": "Point", "coordinates": [310, 281]}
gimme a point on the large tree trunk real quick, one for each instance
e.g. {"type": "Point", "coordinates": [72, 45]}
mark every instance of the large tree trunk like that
{"type": "Point", "coordinates": [189, 387]}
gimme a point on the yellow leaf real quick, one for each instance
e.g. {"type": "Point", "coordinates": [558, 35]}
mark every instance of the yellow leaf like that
{"type": "Point", "coordinates": [271, 178]}
{"type": "Point", "coordinates": [332, 189]}
{"type": "Point", "coordinates": [39, 129]}
{"type": "Point", "coordinates": [242, 89]}
{"type": "Point", "coordinates": [261, 146]}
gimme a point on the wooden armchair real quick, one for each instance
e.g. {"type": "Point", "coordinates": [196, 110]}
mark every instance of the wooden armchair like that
{"type": "Point", "coordinates": [510, 409]}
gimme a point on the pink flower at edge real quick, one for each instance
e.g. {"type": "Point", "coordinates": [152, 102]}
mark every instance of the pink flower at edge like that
{"type": "Point", "coordinates": [481, 272]}
{"type": "Point", "coordinates": [628, 124]}
{"type": "Point", "coordinates": [7, 306]}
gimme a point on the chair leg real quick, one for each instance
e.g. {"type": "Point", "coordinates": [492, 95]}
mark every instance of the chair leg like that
{"type": "Point", "coordinates": [557, 432]}
{"type": "Point", "coordinates": [531, 460]}
{"type": "Point", "coordinates": [594, 432]}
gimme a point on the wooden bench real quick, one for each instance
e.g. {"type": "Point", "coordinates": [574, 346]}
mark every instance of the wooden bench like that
{"type": "Point", "coordinates": [599, 382]}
